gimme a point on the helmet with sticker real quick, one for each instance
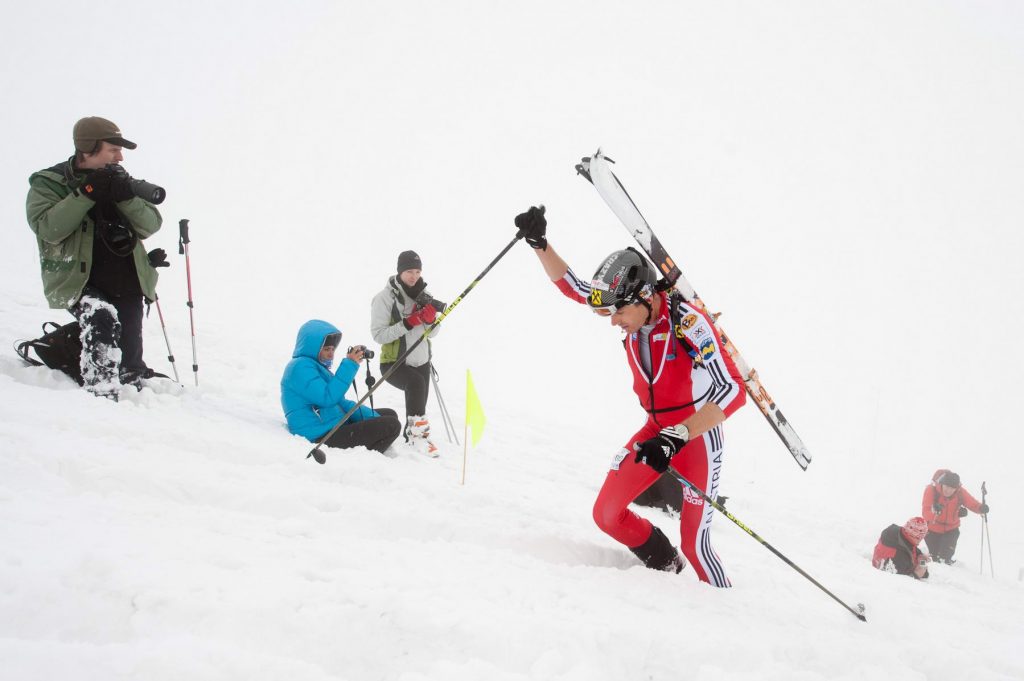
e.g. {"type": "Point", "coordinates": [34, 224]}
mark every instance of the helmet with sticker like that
{"type": "Point", "coordinates": [624, 278]}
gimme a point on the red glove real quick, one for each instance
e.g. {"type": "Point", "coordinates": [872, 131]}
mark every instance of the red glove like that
{"type": "Point", "coordinates": [419, 316]}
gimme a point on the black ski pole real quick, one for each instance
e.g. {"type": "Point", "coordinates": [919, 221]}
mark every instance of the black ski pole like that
{"type": "Point", "coordinates": [316, 453]}
{"type": "Point", "coordinates": [858, 612]}
{"type": "Point", "coordinates": [183, 242]}
{"type": "Point", "coordinates": [370, 380]}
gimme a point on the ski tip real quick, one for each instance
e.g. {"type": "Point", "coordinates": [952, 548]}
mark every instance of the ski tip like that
{"type": "Point", "coordinates": [583, 168]}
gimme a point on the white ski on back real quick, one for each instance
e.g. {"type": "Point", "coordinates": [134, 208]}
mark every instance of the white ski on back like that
{"type": "Point", "coordinates": [597, 170]}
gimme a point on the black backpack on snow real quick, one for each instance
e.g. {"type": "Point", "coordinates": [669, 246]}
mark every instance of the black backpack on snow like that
{"type": "Point", "coordinates": [60, 349]}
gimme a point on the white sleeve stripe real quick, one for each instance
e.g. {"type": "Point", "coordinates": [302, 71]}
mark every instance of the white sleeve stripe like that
{"type": "Point", "coordinates": [576, 284]}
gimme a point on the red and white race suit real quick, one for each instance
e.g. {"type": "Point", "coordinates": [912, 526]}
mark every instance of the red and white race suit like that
{"type": "Point", "coordinates": [673, 381]}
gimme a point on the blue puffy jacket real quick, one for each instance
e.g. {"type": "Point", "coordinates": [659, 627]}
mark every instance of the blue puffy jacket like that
{"type": "Point", "coordinates": [312, 397]}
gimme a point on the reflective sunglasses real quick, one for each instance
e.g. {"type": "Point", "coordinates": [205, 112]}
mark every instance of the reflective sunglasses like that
{"type": "Point", "coordinates": [607, 311]}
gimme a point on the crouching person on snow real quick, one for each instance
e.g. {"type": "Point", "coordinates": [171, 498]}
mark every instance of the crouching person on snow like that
{"type": "Point", "coordinates": [89, 227]}
{"type": "Point", "coordinates": [399, 315]}
{"type": "Point", "coordinates": [896, 550]}
{"type": "Point", "coordinates": [314, 400]}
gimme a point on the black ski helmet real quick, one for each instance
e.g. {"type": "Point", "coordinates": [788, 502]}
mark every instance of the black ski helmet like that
{"type": "Point", "coordinates": [624, 278]}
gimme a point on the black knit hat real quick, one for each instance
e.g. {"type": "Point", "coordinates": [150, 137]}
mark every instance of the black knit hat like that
{"type": "Point", "coordinates": [408, 260]}
{"type": "Point", "coordinates": [950, 478]}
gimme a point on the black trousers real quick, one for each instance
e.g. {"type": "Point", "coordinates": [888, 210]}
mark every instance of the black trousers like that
{"type": "Point", "coordinates": [376, 434]}
{"type": "Point", "coordinates": [109, 323]}
{"type": "Point", "coordinates": [942, 545]}
{"type": "Point", "coordinates": [415, 381]}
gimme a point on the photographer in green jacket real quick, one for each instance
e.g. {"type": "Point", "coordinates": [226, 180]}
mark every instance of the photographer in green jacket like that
{"type": "Point", "coordinates": [89, 226]}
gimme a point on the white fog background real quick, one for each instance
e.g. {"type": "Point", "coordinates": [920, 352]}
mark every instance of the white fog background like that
{"type": "Point", "coordinates": [841, 180]}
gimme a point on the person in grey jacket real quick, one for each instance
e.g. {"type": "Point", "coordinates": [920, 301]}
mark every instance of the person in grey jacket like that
{"type": "Point", "coordinates": [399, 315]}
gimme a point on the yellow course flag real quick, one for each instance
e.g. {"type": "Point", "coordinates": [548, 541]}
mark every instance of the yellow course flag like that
{"type": "Point", "coordinates": [475, 418]}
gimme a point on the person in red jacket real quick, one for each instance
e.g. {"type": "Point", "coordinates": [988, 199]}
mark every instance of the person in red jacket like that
{"type": "Point", "coordinates": [943, 504]}
{"type": "Point", "coordinates": [686, 383]}
{"type": "Point", "coordinates": [896, 550]}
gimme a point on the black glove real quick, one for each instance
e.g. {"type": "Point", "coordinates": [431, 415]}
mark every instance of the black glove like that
{"type": "Point", "coordinates": [96, 184]}
{"type": "Point", "coordinates": [158, 258]}
{"type": "Point", "coordinates": [962, 512]}
{"type": "Point", "coordinates": [659, 450]}
{"type": "Point", "coordinates": [983, 510]}
{"type": "Point", "coordinates": [533, 227]}
{"type": "Point", "coordinates": [120, 185]}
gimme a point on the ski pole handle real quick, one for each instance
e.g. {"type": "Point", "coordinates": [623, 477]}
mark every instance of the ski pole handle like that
{"type": "Point", "coordinates": [182, 235]}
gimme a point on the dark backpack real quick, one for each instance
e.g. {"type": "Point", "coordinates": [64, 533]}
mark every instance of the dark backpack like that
{"type": "Point", "coordinates": [60, 349]}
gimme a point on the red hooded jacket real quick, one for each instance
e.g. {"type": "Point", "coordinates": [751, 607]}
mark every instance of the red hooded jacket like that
{"type": "Point", "coordinates": [894, 552]}
{"type": "Point", "coordinates": [942, 512]}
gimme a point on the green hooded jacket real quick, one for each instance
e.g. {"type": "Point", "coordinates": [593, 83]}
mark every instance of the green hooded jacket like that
{"type": "Point", "coordinates": [59, 217]}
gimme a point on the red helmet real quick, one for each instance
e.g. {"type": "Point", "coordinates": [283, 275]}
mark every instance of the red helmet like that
{"type": "Point", "coordinates": [915, 530]}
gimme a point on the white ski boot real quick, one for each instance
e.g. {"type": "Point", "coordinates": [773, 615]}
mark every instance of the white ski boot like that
{"type": "Point", "coordinates": [417, 431]}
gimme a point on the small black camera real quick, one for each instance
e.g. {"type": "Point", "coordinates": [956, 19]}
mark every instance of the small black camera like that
{"type": "Point", "coordinates": [367, 353]}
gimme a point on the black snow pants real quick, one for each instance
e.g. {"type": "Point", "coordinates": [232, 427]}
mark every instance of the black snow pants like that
{"type": "Point", "coordinates": [415, 381]}
{"type": "Point", "coordinates": [376, 434]}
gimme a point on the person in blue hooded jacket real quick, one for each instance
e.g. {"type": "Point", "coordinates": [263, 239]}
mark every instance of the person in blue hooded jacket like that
{"type": "Point", "coordinates": [313, 398]}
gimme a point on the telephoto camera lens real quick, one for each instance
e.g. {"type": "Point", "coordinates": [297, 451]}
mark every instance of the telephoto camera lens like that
{"type": "Point", "coordinates": [148, 191]}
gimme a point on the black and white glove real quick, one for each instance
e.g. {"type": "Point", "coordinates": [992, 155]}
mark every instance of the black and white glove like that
{"type": "Point", "coordinates": [658, 451]}
{"type": "Point", "coordinates": [533, 227]}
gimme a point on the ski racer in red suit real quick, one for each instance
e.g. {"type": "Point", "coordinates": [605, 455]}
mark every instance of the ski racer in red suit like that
{"type": "Point", "coordinates": [686, 383]}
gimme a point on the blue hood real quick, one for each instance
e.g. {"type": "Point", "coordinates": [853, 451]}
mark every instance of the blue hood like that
{"type": "Point", "coordinates": [311, 338]}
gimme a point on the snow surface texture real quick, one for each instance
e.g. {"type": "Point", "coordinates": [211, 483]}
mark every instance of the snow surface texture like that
{"type": "Point", "coordinates": [842, 181]}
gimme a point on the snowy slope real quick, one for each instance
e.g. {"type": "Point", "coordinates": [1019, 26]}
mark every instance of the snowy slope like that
{"type": "Point", "coordinates": [841, 181]}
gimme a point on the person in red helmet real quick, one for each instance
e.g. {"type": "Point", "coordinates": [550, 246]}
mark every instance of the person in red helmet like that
{"type": "Point", "coordinates": [943, 504]}
{"type": "Point", "coordinates": [897, 549]}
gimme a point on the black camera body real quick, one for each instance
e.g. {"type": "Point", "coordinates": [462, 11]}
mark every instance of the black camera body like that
{"type": "Point", "coordinates": [424, 299]}
{"type": "Point", "coordinates": [367, 353]}
{"type": "Point", "coordinates": [147, 191]}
